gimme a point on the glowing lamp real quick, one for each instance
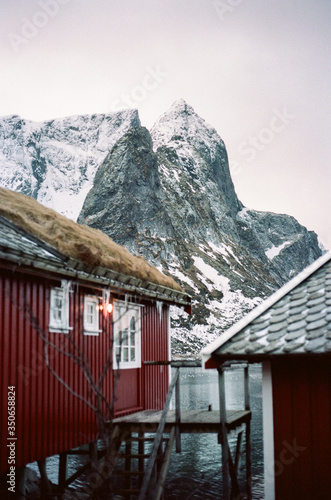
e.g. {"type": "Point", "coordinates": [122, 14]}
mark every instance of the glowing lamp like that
{"type": "Point", "coordinates": [109, 308]}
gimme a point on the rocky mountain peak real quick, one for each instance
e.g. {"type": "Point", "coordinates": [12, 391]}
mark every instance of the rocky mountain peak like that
{"type": "Point", "coordinates": [191, 150]}
{"type": "Point", "coordinates": [182, 123]}
{"type": "Point", "coordinates": [181, 107]}
{"type": "Point", "coordinates": [175, 205]}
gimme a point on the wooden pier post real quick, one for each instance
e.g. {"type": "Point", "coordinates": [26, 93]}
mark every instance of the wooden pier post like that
{"type": "Point", "coordinates": [141, 452]}
{"type": "Point", "coordinates": [45, 484]}
{"type": "Point", "coordinates": [224, 435]}
{"type": "Point", "coordinates": [248, 437]}
{"type": "Point", "coordinates": [62, 471]}
{"type": "Point", "coordinates": [20, 483]}
{"type": "Point", "coordinates": [177, 398]}
{"type": "Point", "coordinates": [128, 452]}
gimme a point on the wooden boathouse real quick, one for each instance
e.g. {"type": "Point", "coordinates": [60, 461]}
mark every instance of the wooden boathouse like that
{"type": "Point", "coordinates": [76, 332]}
{"type": "Point", "coordinates": [290, 334]}
{"type": "Point", "coordinates": [84, 339]}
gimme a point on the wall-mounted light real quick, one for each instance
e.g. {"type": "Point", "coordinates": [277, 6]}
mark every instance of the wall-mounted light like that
{"type": "Point", "coordinates": [106, 305]}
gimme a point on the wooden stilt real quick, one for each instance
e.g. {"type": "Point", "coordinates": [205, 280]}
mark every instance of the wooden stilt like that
{"type": "Point", "coordinates": [93, 452]}
{"type": "Point", "coordinates": [248, 461]}
{"type": "Point", "coordinates": [159, 494]}
{"type": "Point", "coordinates": [177, 399]}
{"type": "Point", "coordinates": [224, 435]}
{"type": "Point", "coordinates": [246, 387]}
{"type": "Point", "coordinates": [20, 483]}
{"type": "Point", "coordinates": [45, 484]}
{"type": "Point", "coordinates": [128, 456]}
{"type": "Point", "coordinates": [238, 449]}
{"type": "Point", "coordinates": [141, 451]}
{"type": "Point", "coordinates": [62, 471]}
{"type": "Point", "coordinates": [248, 439]}
{"type": "Point", "coordinates": [235, 490]}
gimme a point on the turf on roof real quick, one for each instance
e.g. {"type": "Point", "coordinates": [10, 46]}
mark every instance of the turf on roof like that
{"type": "Point", "coordinates": [78, 241]}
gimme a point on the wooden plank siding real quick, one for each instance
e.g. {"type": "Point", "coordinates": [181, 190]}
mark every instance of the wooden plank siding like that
{"type": "Point", "coordinates": [302, 427]}
{"type": "Point", "coordinates": [155, 345]}
{"type": "Point", "coordinates": [50, 420]}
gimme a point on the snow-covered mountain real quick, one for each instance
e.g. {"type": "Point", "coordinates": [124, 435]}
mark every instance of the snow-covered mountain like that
{"type": "Point", "coordinates": [176, 205]}
{"type": "Point", "coordinates": [167, 195]}
{"type": "Point", "coordinates": [55, 161]}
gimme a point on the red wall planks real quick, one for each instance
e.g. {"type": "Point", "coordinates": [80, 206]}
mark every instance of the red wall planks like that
{"type": "Point", "coordinates": [155, 348]}
{"type": "Point", "coordinates": [49, 419]}
{"type": "Point", "coordinates": [302, 427]}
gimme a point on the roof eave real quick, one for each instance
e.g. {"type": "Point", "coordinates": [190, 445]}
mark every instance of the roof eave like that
{"type": "Point", "coordinates": [109, 279]}
{"type": "Point", "coordinates": [209, 351]}
{"type": "Point", "coordinates": [218, 359]}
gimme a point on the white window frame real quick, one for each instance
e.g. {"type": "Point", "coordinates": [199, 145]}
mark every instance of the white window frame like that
{"type": "Point", "coordinates": [91, 328]}
{"type": "Point", "coordinates": [123, 314]}
{"type": "Point", "coordinates": [59, 324]}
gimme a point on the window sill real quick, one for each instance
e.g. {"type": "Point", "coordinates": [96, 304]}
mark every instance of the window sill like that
{"type": "Point", "coordinates": [127, 366]}
{"type": "Point", "coordinates": [94, 333]}
{"type": "Point", "coordinates": [54, 329]}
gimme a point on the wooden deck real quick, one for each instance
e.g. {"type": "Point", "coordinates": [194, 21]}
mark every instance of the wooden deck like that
{"type": "Point", "coordinates": [178, 421]}
{"type": "Point", "coordinates": [192, 421]}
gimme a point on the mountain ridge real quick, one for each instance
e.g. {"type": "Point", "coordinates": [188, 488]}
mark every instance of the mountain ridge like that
{"type": "Point", "coordinates": [168, 195]}
{"type": "Point", "coordinates": [57, 157]}
{"type": "Point", "coordinates": [227, 256]}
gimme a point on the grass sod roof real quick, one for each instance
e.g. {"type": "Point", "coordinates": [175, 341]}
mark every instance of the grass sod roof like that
{"type": "Point", "coordinates": [78, 241]}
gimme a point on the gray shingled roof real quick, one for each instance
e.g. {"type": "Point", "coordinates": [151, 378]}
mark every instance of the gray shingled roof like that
{"type": "Point", "coordinates": [295, 320]}
{"type": "Point", "coordinates": [25, 250]}
{"type": "Point", "coordinates": [17, 245]}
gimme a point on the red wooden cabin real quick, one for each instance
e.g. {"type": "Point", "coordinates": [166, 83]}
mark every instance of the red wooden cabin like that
{"type": "Point", "coordinates": [290, 333]}
{"type": "Point", "coordinates": [52, 305]}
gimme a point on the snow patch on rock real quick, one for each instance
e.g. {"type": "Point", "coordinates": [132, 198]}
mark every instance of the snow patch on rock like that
{"type": "Point", "coordinates": [272, 252]}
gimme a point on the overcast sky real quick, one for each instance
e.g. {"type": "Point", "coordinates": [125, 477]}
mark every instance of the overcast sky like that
{"type": "Point", "coordinates": [257, 70]}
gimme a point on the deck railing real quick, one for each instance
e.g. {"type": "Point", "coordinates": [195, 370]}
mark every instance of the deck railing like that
{"type": "Point", "coordinates": [229, 466]}
{"type": "Point", "coordinates": [151, 464]}
{"type": "Point", "coordinates": [175, 433]}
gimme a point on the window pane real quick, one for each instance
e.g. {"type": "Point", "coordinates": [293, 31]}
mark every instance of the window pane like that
{"type": "Point", "coordinates": [125, 337]}
{"type": "Point", "coordinates": [118, 353]}
{"type": "Point", "coordinates": [89, 314]}
{"type": "Point", "coordinates": [57, 307]}
{"type": "Point", "coordinates": [58, 302]}
{"type": "Point", "coordinates": [133, 331]}
{"type": "Point", "coordinates": [57, 312]}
